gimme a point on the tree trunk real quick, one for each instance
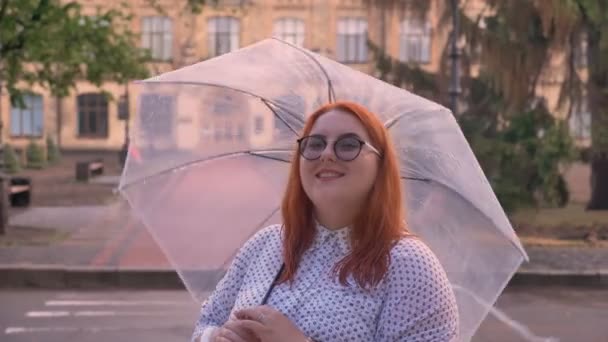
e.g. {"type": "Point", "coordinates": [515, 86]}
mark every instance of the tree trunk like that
{"type": "Point", "coordinates": [58, 119]}
{"type": "Point", "coordinates": [598, 105]}
{"type": "Point", "coordinates": [599, 182]}
{"type": "Point", "coordinates": [3, 194]}
{"type": "Point", "coordinates": [4, 199]}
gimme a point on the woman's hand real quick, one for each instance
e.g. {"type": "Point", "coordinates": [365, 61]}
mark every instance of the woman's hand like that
{"type": "Point", "coordinates": [269, 325]}
{"type": "Point", "coordinates": [232, 331]}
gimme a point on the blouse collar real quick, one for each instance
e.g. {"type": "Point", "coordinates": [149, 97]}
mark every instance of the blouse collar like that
{"type": "Point", "coordinates": [340, 236]}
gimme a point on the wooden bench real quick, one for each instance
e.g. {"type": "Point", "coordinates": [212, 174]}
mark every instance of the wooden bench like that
{"type": "Point", "coordinates": [20, 191]}
{"type": "Point", "coordinates": [87, 169]}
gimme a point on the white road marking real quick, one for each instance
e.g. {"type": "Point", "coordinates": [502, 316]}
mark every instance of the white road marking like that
{"type": "Point", "coordinates": [26, 330]}
{"type": "Point", "coordinates": [115, 303]}
{"type": "Point", "coordinates": [53, 314]}
{"type": "Point", "coordinates": [46, 314]}
{"type": "Point", "coordinates": [120, 313]}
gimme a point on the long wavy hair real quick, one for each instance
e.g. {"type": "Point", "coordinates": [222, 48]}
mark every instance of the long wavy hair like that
{"type": "Point", "coordinates": [379, 224]}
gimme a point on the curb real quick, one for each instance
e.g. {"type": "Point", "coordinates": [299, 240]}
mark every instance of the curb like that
{"type": "Point", "coordinates": [32, 277]}
{"type": "Point", "coordinates": [55, 277]}
{"type": "Point", "coordinates": [588, 278]}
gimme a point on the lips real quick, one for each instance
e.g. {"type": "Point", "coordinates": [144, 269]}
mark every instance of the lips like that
{"type": "Point", "coordinates": [328, 174]}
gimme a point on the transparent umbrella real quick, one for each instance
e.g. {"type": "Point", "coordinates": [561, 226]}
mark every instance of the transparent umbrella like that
{"type": "Point", "coordinates": [210, 153]}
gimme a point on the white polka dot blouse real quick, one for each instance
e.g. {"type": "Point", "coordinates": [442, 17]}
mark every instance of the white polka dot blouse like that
{"type": "Point", "coordinates": [414, 302]}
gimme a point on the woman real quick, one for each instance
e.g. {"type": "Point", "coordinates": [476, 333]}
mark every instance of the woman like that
{"type": "Point", "coordinates": [343, 266]}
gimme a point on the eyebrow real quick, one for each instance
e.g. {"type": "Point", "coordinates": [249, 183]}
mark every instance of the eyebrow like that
{"type": "Point", "coordinates": [344, 135]}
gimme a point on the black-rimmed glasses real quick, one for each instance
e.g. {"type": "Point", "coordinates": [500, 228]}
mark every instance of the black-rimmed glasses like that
{"type": "Point", "coordinates": [346, 148]}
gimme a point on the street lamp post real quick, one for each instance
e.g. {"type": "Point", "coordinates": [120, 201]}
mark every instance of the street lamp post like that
{"type": "Point", "coordinates": [454, 89]}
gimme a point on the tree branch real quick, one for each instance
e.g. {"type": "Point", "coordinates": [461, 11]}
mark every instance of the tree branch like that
{"type": "Point", "coordinates": [19, 40]}
{"type": "Point", "coordinates": [4, 5]}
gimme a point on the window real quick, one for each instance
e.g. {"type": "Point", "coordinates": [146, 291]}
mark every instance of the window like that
{"type": "Point", "coordinates": [223, 34]}
{"type": "Point", "coordinates": [225, 105]}
{"type": "Point", "coordinates": [92, 115]}
{"type": "Point", "coordinates": [580, 121]}
{"type": "Point", "coordinates": [258, 125]}
{"type": "Point", "coordinates": [157, 36]}
{"type": "Point", "coordinates": [415, 41]}
{"type": "Point", "coordinates": [290, 30]}
{"type": "Point", "coordinates": [241, 132]}
{"type": "Point", "coordinates": [352, 40]}
{"type": "Point", "coordinates": [156, 115]}
{"type": "Point", "coordinates": [228, 131]}
{"type": "Point", "coordinates": [218, 132]}
{"type": "Point", "coordinates": [28, 121]}
{"type": "Point", "coordinates": [206, 131]}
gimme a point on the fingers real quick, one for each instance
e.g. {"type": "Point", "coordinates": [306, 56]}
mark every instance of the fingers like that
{"type": "Point", "coordinates": [251, 314]}
{"type": "Point", "coordinates": [243, 333]}
{"type": "Point", "coordinates": [246, 313]}
{"type": "Point", "coordinates": [257, 328]}
{"type": "Point", "coordinates": [227, 335]}
{"type": "Point", "coordinates": [259, 313]}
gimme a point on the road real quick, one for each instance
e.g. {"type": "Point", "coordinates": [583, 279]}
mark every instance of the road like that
{"type": "Point", "coordinates": [569, 314]}
{"type": "Point", "coordinates": [86, 316]}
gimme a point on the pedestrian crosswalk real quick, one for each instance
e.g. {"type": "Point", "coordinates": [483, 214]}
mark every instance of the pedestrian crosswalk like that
{"type": "Point", "coordinates": [95, 313]}
{"type": "Point", "coordinates": [93, 316]}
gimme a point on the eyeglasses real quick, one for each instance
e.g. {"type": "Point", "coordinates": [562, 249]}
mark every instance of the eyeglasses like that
{"type": "Point", "coordinates": [346, 148]}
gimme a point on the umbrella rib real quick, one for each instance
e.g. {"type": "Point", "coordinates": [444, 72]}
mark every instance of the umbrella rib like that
{"type": "Point", "coordinates": [420, 179]}
{"type": "Point", "coordinates": [198, 161]}
{"type": "Point", "coordinates": [330, 88]}
{"type": "Point", "coordinates": [259, 154]}
{"type": "Point", "coordinates": [278, 116]}
{"type": "Point", "coordinates": [449, 188]}
{"type": "Point", "coordinates": [270, 157]}
{"type": "Point", "coordinates": [295, 116]}
{"type": "Point", "coordinates": [389, 123]}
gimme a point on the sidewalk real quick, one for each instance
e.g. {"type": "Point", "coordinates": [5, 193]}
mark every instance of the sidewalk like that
{"type": "Point", "coordinates": [106, 247]}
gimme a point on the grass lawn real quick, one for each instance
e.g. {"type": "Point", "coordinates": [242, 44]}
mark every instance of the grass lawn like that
{"type": "Point", "coordinates": [28, 236]}
{"type": "Point", "coordinates": [571, 215]}
{"type": "Point", "coordinates": [560, 227]}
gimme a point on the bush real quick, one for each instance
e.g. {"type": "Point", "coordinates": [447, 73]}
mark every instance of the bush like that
{"type": "Point", "coordinates": [521, 156]}
{"type": "Point", "coordinates": [35, 156]}
{"type": "Point", "coordinates": [53, 154]}
{"type": "Point", "coordinates": [11, 162]}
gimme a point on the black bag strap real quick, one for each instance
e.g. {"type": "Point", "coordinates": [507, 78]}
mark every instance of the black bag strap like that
{"type": "Point", "coordinates": [274, 282]}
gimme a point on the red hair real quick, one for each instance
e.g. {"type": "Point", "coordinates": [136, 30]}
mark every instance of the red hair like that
{"type": "Point", "coordinates": [374, 231]}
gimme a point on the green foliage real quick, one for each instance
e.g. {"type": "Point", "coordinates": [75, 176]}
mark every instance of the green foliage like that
{"type": "Point", "coordinates": [521, 155]}
{"type": "Point", "coordinates": [52, 151]}
{"type": "Point", "coordinates": [520, 152]}
{"type": "Point", "coordinates": [11, 162]}
{"type": "Point", "coordinates": [53, 44]}
{"type": "Point", "coordinates": [518, 143]}
{"type": "Point", "coordinates": [404, 75]}
{"type": "Point", "coordinates": [35, 156]}
{"type": "Point", "coordinates": [192, 6]}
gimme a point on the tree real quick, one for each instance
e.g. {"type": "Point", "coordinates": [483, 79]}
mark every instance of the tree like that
{"type": "Point", "coordinates": [193, 6]}
{"type": "Point", "coordinates": [523, 36]}
{"type": "Point", "coordinates": [518, 40]}
{"type": "Point", "coordinates": [54, 45]}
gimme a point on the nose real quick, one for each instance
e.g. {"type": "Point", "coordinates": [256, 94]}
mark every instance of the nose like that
{"type": "Point", "coordinates": [328, 154]}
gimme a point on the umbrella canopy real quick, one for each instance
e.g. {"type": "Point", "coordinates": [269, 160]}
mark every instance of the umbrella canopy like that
{"type": "Point", "coordinates": [210, 152]}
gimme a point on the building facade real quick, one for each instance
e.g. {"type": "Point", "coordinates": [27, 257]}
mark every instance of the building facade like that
{"type": "Point", "coordinates": [338, 29]}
